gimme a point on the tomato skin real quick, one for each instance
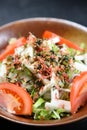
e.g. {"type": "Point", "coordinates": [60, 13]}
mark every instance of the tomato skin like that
{"type": "Point", "coordinates": [78, 95]}
{"type": "Point", "coordinates": [48, 34]}
{"type": "Point", "coordinates": [9, 50]}
{"type": "Point", "coordinates": [15, 99]}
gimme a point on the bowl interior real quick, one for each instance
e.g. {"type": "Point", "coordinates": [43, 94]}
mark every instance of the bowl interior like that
{"type": "Point", "coordinates": [70, 30]}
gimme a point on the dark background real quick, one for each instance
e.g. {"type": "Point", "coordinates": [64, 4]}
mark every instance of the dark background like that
{"type": "Point", "coordinates": [73, 10]}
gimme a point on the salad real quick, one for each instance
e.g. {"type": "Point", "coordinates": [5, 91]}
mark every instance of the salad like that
{"type": "Point", "coordinates": [43, 78]}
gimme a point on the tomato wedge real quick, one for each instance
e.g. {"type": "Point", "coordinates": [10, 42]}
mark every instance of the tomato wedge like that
{"type": "Point", "coordinates": [11, 47]}
{"type": "Point", "coordinates": [15, 99]}
{"type": "Point", "coordinates": [78, 95]}
{"type": "Point", "coordinates": [48, 34]}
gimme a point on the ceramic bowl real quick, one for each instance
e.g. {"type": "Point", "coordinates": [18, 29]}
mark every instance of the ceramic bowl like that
{"type": "Point", "coordinates": [73, 31]}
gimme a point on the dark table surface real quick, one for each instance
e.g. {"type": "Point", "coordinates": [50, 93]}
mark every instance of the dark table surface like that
{"type": "Point", "coordinates": [73, 10]}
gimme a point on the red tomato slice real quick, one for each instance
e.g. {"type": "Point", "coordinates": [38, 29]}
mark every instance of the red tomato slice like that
{"type": "Point", "coordinates": [15, 99]}
{"type": "Point", "coordinates": [78, 95]}
{"type": "Point", "coordinates": [48, 34]}
{"type": "Point", "coordinates": [11, 47]}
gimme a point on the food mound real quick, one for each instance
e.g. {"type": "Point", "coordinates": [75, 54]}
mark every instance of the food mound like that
{"type": "Point", "coordinates": [43, 78]}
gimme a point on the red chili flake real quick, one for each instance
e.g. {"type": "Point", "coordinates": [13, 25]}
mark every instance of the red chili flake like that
{"type": "Point", "coordinates": [45, 71]}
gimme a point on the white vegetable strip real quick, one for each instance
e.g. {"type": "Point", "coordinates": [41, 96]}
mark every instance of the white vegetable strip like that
{"type": "Point", "coordinates": [80, 66]}
{"type": "Point", "coordinates": [65, 89]}
{"type": "Point", "coordinates": [24, 52]}
{"type": "Point", "coordinates": [82, 57]}
{"type": "Point", "coordinates": [31, 67]}
{"type": "Point", "coordinates": [50, 41]}
{"type": "Point", "coordinates": [54, 40]}
{"type": "Point", "coordinates": [49, 85]}
{"type": "Point", "coordinates": [58, 104]}
{"type": "Point", "coordinates": [2, 69]}
{"type": "Point", "coordinates": [54, 94]}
